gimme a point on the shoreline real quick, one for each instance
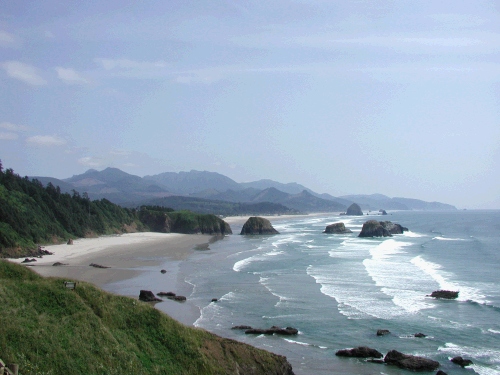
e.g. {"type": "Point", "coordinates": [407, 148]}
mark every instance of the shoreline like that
{"type": "Point", "coordinates": [134, 260]}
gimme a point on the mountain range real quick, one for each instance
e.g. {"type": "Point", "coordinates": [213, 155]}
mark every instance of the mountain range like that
{"type": "Point", "coordinates": [211, 191]}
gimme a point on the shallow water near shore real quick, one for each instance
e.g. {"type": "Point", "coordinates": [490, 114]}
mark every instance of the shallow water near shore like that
{"type": "Point", "coordinates": [337, 290]}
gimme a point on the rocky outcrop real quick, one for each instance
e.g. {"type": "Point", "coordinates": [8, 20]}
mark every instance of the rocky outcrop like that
{"type": "Point", "coordinates": [258, 225]}
{"type": "Point", "coordinates": [383, 332]}
{"type": "Point", "coordinates": [374, 228]}
{"type": "Point", "coordinates": [359, 352]}
{"type": "Point", "coordinates": [337, 228]}
{"type": "Point", "coordinates": [70, 242]}
{"type": "Point", "coordinates": [382, 212]}
{"type": "Point", "coordinates": [445, 294]}
{"type": "Point", "coordinates": [410, 362]}
{"type": "Point", "coordinates": [419, 335]}
{"type": "Point", "coordinates": [354, 210]}
{"type": "Point", "coordinates": [148, 296]}
{"type": "Point", "coordinates": [462, 361]}
{"type": "Point", "coordinates": [95, 265]}
{"type": "Point", "coordinates": [274, 330]}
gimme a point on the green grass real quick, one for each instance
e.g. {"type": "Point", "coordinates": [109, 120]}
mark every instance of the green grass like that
{"type": "Point", "coordinates": [48, 329]}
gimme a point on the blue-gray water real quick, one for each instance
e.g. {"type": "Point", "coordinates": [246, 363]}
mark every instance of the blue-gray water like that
{"type": "Point", "coordinates": [339, 289]}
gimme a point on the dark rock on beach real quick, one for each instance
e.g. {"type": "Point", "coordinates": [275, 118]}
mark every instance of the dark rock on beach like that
{"type": "Point", "coordinates": [337, 228]}
{"type": "Point", "coordinates": [359, 352]}
{"type": "Point", "coordinates": [374, 228]}
{"type": "Point", "coordinates": [410, 362]}
{"type": "Point", "coordinates": [97, 265]}
{"type": "Point", "coordinates": [28, 260]}
{"type": "Point", "coordinates": [70, 242]}
{"type": "Point", "coordinates": [258, 225]}
{"type": "Point", "coordinates": [383, 332]}
{"type": "Point", "coordinates": [56, 264]}
{"type": "Point", "coordinates": [172, 295]}
{"type": "Point", "coordinates": [166, 294]}
{"type": "Point", "coordinates": [354, 210]}
{"type": "Point", "coordinates": [148, 296]}
{"type": "Point", "coordinates": [446, 294]}
{"type": "Point", "coordinates": [462, 361]}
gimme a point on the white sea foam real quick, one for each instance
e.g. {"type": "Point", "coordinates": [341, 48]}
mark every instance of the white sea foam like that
{"type": "Point", "coordinates": [441, 238]}
{"type": "Point", "coordinates": [413, 234]}
{"type": "Point", "coordinates": [240, 265]}
{"type": "Point", "coordinates": [467, 293]}
{"type": "Point", "coordinates": [494, 331]}
{"type": "Point", "coordinates": [469, 352]}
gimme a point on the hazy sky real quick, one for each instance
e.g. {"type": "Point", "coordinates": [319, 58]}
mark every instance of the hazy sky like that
{"type": "Point", "coordinates": [394, 97]}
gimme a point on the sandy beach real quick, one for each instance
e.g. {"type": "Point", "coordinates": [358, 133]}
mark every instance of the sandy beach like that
{"type": "Point", "coordinates": [134, 262]}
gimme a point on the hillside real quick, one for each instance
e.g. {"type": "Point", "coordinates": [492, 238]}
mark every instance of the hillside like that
{"type": "Point", "coordinates": [131, 191]}
{"type": "Point", "coordinates": [89, 331]}
{"type": "Point", "coordinates": [219, 207]}
{"type": "Point", "coordinates": [32, 215]}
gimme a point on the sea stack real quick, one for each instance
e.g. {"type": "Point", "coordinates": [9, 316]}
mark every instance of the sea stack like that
{"type": "Point", "coordinates": [258, 225]}
{"type": "Point", "coordinates": [337, 228]}
{"type": "Point", "coordinates": [354, 210]}
{"type": "Point", "coordinates": [374, 228]}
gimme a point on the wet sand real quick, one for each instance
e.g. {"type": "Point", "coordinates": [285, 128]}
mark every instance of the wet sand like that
{"type": "Point", "coordinates": [134, 260]}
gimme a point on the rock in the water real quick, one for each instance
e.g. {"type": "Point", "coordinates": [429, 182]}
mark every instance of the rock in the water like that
{"type": "Point", "coordinates": [215, 300]}
{"type": "Point", "coordinates": [374, 228]}
{"type": "Point", "coordinates": [288, 331]}
{"type": "Point", "coordinates": [70, 242]}
{"type": "Point", "coordinates": [178, 298]}
{"type": "Point", "coordinates": [241, 327]}
{"type": "Point", "coordinates": [148, 296]}
{"type": "Point", "coordinates": [419, 335]}
{"type": "Point", "coordinates": [383, 332]}
{"type": "Point", "coordinates": [258, 225]}
{"type": "Point", "coordinates": [446, 294]}
{"type": "Point", "coordinates": [382, 212]}
{"type": "Point", "coordinates": [359, 352]}
{"type": "Point", "coordinates": [59, 264]}
{"type": "Point", "coordinates": [410, 362]}
{"type": "Point", "coordinates": [337, 228]}
{"type": "Point", "coordinates": [462, 361]}
{"type": "Point", "coordinates": [354, 210]}
{"type": "Point", "coordinates": [28, 260]}
{"type": "Point", "coordinates": [441, 373]}
{"type": "Point", "coordinates": [163, 271]}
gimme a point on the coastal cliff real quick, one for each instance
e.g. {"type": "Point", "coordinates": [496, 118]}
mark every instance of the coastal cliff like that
{"type": "Point", "coordinates": [89, 331]}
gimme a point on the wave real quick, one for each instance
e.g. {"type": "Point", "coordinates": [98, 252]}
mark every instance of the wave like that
{"type": "Point", "coordinates": [441, 238]}
{"type": "Point", "coordinates": [305, 344]}
{"type": "Point", "coordinates": [467, 293]}
{"type": "Point", "coordinates": [413, 234]}
{"type": "Point", "coordinates": [482, 354]}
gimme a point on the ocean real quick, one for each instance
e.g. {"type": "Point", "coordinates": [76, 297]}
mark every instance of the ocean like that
{"type": "Point", "coordinates": [338, 290]}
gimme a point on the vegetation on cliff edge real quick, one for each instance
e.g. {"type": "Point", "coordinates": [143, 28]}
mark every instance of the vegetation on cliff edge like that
{"type": "Point", "coordinates": [48, 329]}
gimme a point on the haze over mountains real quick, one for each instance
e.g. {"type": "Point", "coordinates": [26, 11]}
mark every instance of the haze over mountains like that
{"type": "Point", "coordinates": [211, 191]}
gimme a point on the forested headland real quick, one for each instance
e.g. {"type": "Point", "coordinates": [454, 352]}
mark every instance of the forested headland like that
{"type": "Point", "coordinates": [32, 214]}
